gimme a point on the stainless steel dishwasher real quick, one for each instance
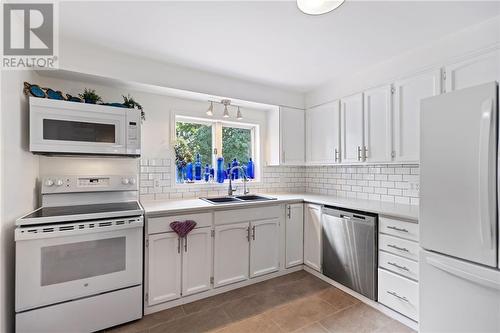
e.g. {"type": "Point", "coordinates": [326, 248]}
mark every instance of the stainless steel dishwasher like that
{"type": "Point", "coordinates": [350, 249]}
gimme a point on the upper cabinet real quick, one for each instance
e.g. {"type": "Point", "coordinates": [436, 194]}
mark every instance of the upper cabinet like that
{"type": "Point", "coordinates": [286, 136]}
{"type": "Point", "coordinates": [481, 69]}
{"type": "Point", "coordinates": [377, 119]}
{"type": "Point", "coordinates": [407, 96]}
{"type": "Point", "coordinates": [323, 134]}
{"type": "Point", "coordinates": [352, 128]}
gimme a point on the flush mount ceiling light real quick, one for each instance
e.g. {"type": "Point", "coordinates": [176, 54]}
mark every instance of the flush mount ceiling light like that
{"type": "Point", "coordinates": [226, 102]}
{"type": "Point", "coordinates": [210, 111]}
{"type": "Point", "coordinates": [239, 116]}
{"type": "Point", "coordinates": [318, 7]}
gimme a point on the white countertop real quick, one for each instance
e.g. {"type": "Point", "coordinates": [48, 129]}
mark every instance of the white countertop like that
{"type": "Point", "coordinates": [162, 207]}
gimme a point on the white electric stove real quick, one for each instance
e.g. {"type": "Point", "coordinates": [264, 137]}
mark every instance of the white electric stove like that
{"type": "Point", "coordinates": [79, 257]}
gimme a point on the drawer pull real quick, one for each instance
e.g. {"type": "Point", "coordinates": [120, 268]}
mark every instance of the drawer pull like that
{"type": "Point", "coordinates": [398, 266]}
{"type": "Point", "coordinates": [399, 248]}
{"type": "Point", "coordinates": [404, 299]}
{"type": "Point", "coordinates": [397, 229]}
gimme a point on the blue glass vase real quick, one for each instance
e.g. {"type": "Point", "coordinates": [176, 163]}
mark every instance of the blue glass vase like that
{"type": "Point", "coordinates": [220, 170]}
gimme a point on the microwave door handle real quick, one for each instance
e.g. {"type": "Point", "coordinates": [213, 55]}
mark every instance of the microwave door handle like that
{"type": "Point", "coordinates": [485, 165]}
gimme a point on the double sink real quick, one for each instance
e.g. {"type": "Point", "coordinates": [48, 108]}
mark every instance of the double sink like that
{"type": "Point", "coordinates": [237, 199]}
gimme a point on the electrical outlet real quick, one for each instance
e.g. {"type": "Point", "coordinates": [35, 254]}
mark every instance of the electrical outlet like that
{"type": "Point", "coordinates": [414, 186]}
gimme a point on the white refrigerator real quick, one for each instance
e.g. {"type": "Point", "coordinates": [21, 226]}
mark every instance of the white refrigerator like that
{"type": "Point", "coordinates": [459, 262]}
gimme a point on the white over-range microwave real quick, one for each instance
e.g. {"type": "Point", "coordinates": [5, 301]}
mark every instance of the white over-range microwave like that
{"type": "Point", "coordinates": [61, 127]}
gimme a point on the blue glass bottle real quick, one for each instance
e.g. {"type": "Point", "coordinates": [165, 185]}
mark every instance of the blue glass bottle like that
{"type": "Point", "coordinates": [250, 169]}
{"type": "Point", "coordinates": [207, 173]}
{"type": "Point", "coordinates": [220, 170]}
{"type": "Point", "coordinates": [189, 171]}
{"type": "Point", "coordinates": [197, 168]}
{"type": "Point", "coordinates": [236, 172]}
{"type": "Point", "coordinates": [212, 173]}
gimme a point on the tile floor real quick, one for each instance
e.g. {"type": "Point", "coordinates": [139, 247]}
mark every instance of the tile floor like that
{"type": "Point", "coordinates": [297, 302]}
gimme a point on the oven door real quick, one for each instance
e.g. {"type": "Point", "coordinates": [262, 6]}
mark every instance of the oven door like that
{"type": "Point", "coordinates": [62, 262]}
{"type": "Point", "coordinates": [77, 128]}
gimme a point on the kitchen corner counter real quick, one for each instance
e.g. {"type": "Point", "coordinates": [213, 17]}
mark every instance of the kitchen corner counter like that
{"type": "Point", "coordinates": [162, 207]}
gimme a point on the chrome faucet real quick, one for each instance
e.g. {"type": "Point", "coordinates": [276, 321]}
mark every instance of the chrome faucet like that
{"type": "Point", "coordinates": [230, 189]}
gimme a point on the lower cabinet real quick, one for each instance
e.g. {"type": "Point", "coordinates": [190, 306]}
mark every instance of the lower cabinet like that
{"type": "Point", "coordinates": [294, 230]}
{"type": "Point", "coordinates": [178, 266]}
{"type": "Point", "coordinates": [312, 236]}
{"type": "Point", "coordinates": [164, 267]}
{"type": "Point", "coordinates": [264, 247]}
{"type": "Point", "coordinates": [196, 261]}
{"type": "Point", "coordinates": [231, 255]}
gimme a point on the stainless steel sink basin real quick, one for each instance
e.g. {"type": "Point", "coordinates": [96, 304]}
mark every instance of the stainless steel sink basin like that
{"type": "Point", "coordinates": [237, 199]}
{"type": "Point", "coordinates": [254, 197]}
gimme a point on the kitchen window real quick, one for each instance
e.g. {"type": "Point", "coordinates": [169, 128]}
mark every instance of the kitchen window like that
{"type": "Point", "coordinates": [212, 139]}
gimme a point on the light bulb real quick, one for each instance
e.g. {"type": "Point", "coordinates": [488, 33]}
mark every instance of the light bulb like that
{"type": "Point", "coordinates": [238, 114]}
{"type": "Point", "coordinates": [226, 112]}
{"type": "Point", "coordinates": [318, 7]}
{"type": "Point", "coordinates": [210, 111]}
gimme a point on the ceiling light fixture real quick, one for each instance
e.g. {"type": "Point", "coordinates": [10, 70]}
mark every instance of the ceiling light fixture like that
{"type": "Point", "coordinates": [210, 111]}
{"type": "Point", "coordinates": [239, 116]}
{"type": "Point", "coordinates": [318, 7]}
{"type": "Point", "coordinates": [226, 102]}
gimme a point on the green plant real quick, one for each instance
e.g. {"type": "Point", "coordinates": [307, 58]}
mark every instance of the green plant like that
{"type": "Point", "coordinates": [129, 102]}
{"type": "Point", "coordinates": [182, 152]}
{"type": "Point", "coordinates": [90, 96]}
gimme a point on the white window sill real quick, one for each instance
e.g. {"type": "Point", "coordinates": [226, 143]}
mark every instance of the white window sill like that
{"type": "Point", "coordinates": [202, 184]}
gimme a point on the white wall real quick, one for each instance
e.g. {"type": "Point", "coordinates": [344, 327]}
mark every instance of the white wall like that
{"type": "Point", "coordinates": [82, 57]}
{"type": "Point", "coordinates": [446, 50]}
{"type": "Point", "coordinates": [19, 171]}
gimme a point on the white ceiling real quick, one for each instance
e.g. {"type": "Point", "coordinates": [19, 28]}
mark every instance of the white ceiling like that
{"type": "Point", "coordinates": [268, 42]}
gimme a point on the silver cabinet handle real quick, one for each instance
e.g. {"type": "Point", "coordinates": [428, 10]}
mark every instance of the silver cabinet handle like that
{"type": "Point", "coordinates": [365, 151]}
{"type": "Point", "coordinates": [185, 244]}
{"type": "Point", "coordinates": [289, 212]}
{"type": "Point", "coordinates": [404, 268]}
{"type": "Point", "coordinates": [398, 248]}
{"type": "Point", "coordinates": [248, 234]}
{"type": "Point", "coordinates": [359, 153]}
{"type": "Point", "coordinates": [178, 245]}
{"type": "Point", "coordinates": [336, 157]}
{"type": "Point", "coordinates": [397, 229]}
{"type": "Point", "coordinates": [253, 232]}
{"type": "Point", "coordinates": [404, 299]}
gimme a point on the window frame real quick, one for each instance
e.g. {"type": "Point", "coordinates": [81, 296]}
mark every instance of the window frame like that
{"type": "Point", "coordinates": [217, 125]}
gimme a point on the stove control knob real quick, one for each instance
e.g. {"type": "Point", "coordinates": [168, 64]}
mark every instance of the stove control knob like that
{"type": "Point", "coordinates": [132, 181]}
{"type": "Point", "coordinates": [59, 182]}
{"type": "Point", "coordinates": [125, 181]}
{"type": "Point", "coordinates": [49, 182]}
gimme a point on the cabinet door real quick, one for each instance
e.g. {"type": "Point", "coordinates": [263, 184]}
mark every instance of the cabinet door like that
{"type": "Point", "coordinates": [352, 128]}
{"type": "Point", "coordinates": [231, 253]}
{"type": "Point", "coordinates": [292, 127]}
{"type": "Point", "coordinates": [407, 96]}
{"type": "Point", "coordinates": [481, 69]}
{"type": "Point", "coordinates": [197, 261]}
{"type": "Point", "coordinates": [323, 134]}
{"type": "Point", "coordinates": [312, 237]}
{"type": "Point", "coordinates": [264, 247]}
{"type": "Point", "coordinates": [164, 268]}
{"type": "Point", "coordinates": [378, 124]}
{"type": "Point", "coordinates": [294, 229]}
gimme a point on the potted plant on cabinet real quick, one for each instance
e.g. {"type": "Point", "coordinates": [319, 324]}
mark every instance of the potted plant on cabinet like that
{"type": "Point", "coordinates": [90, 96]}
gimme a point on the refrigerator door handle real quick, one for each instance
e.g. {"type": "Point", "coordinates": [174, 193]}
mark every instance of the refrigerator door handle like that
{"type": "Point", "coordinates": [485, 164]}
{"type": "Point", "coordinates": [463, 274]}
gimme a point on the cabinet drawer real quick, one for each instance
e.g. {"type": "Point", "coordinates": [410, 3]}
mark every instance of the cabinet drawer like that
{"type": "Point", "coordinates": [402, 247]}
{"type": "Point", "coordinates": [398, 293]}
{"type": "Point", "coordinates": [162, 223]}
{"type": "Point", "coordinates": [403, 229]}
{"type": "Point", "coordinates": [397, 264]}
{"type": "Point", "coordinates": [248, 214]}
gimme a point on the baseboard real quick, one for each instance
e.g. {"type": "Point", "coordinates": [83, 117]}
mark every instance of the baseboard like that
{"type": "Point", "coordinates": [382, 308]}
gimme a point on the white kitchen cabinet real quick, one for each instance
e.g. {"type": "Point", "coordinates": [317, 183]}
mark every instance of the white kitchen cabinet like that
{"type": "Point", "coordinates": [292, 128]}
{"type": "Point", "coordinates": [312, 236]}
{"type": "Point", "coordinates": [231, 253]}
{"type": "Point", "coordinates": [377, 119]}
{"type": "Point", "coordinates": [323, 134]}
{"type": "Point", "coordinates": [264, 247]}
{"type": "Point", "coordinates": [294, 230]}
{"type": "Point", "coordinates": [352, 128]}
{"type": "Point", "coordinates": [164, 267]}
{"type": "Point", "coordinates": [196, 261]}
{"type": "Point", "coordinates": [407, 96]}
{"type": "Point", "coordinates": [473, 71]}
